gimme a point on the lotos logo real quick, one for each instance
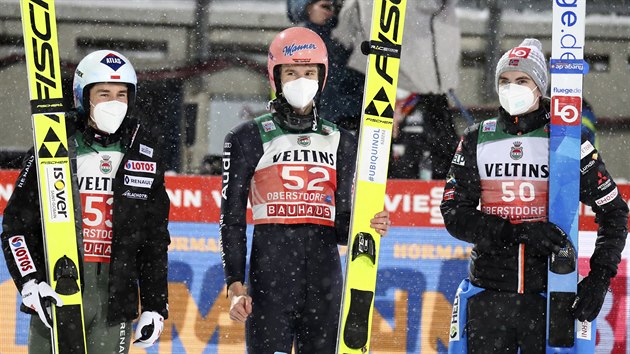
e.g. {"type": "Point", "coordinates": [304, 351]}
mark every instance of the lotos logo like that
{"type": "Point", "coordinates": [519, 52]}
{"type": "Point", "coordinates": [566, 110]}
{"type": "Point", "coordinates": [141, 166]}
{"type": "Point", "coordinates": [21, 255]}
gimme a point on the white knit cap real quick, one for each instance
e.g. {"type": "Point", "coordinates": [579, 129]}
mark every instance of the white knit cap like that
{"type": "Point", "coordinates": [528, 58]}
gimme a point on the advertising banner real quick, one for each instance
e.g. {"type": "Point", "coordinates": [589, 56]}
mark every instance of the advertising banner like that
{"type": "Point", "coordinates": [421, 266]}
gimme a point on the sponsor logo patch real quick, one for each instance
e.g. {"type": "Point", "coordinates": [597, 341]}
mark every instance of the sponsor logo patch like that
{"type": "Point", "coordinates": [141, 166]}
{"type": "Point", "coordinates": [268, 126]}
{"type": "Point", "coordinates": [135, 181]}
{"type": "Point", "coordinates": [566, 110]}
{"type": "Point", "coordinates": [57, 193]}
{"type": "Point", "coordinates": [519, 52]}
{"type": "Point", "coordinates": [458, 159]}
{"type": "Point", "coordinates": [291, 49]}
{"type": "Point", "coordinates": [588, 167]}
{"type": "Point", "coordinates": [449, 194]}
{"type": "Point", "coordinates": [489, 126]}
{"type": "Point", "coordinates": [21, 255]}
{"type": "Point", "coordinates": [133, 195]}
{"type": "Point", "coordinates": [454, 331]}
{"type": "Point", "coordinates": [607, 198]}
{"type": "Point", "coordinates": [113, 61]}
{"type": "Point", "coordinates": [586, 149]}
{"type": "Point", "coordinates": [146, 150]}
{"type": "Point", "coordinates": [603, 182]}
{"type": "Point", "coordinates": [583, 330]}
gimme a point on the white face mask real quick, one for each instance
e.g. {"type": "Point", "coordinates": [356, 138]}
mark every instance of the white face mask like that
{"type": "Point", "coordinates": [109, 115]}
{"type": "Point", "coordinates": [516, 99]}
{"type": "Point", "coordinates": [300, 93]}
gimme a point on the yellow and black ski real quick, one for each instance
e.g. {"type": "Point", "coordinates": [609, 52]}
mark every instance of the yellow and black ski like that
{"type": "Point", "coordinates": [383, 51]}
{"type": "Point", "coordinates": [53, 173]}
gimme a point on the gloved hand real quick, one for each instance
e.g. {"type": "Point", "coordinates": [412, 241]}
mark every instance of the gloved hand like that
{"type": "Point", "coordinates": [150, 326]}
{"type": "Point", "coordinates": [590, 296]}
{"type": "Point", "coordinates": [38, 297]}
{"type": "Point", "coordinates": [540, 237]}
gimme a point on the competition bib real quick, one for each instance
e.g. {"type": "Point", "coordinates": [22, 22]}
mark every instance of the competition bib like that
{"type": "Point", "coordinates": [96, 173]}
{"type": "Point", "coordinates": [296, 178]}
{"type": "Point", "coordinates": [514, 184]}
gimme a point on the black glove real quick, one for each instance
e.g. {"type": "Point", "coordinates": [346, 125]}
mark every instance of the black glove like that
{"type": "Point", "coordinates": [540, 238]}
{"type": "Point", "coordinates": [590, 296]}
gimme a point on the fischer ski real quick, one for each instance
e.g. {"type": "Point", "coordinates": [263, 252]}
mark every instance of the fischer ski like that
{"type": "Point", "coordinates": [564, 333]}
{"type": "Point", "coordinates": [383, 51]}
{"type": "Point", "coordinates": [53, 173]}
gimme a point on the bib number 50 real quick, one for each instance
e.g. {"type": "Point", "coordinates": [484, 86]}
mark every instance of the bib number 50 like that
{"type": "Point", "coordinates": [525, 191]}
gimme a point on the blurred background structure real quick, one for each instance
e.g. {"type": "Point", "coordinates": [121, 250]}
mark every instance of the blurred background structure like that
{"type": "Point", "coordinates": [202, 65]}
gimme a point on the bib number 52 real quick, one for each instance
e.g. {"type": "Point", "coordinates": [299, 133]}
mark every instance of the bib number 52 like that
{"type": "Point", "coordinates": [296, 178]}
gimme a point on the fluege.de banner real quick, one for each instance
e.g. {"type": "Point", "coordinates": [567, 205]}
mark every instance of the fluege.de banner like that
{"type": "Point", "coordinates": [421, 266]}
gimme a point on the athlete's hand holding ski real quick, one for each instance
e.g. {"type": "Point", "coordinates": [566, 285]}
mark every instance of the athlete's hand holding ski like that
{"type": "Point", "coordinates": [39, 297]}
{"type": "Point", "coordinates": [150, 326]}
{"type": "Point", "coordinates": [541, 238]}
{"type": "Point", "coordinates": [380, 222]}
{"type": "Point", "coordinates": [591, 294]}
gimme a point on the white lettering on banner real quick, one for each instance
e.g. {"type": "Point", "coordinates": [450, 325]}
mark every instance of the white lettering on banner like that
{"type": "Point", "coordinates": [604, 328]}
{"type": "Point", "coordinates": [216, 195]}
{"type": "Point", "coordinates": [418, 204]}
{"type": "Point", "coordinates": [186, 198]}
{"type": "Point", "coordinates": [436, 200]}
{"type": "Point", "coordinates": [5, 191]}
